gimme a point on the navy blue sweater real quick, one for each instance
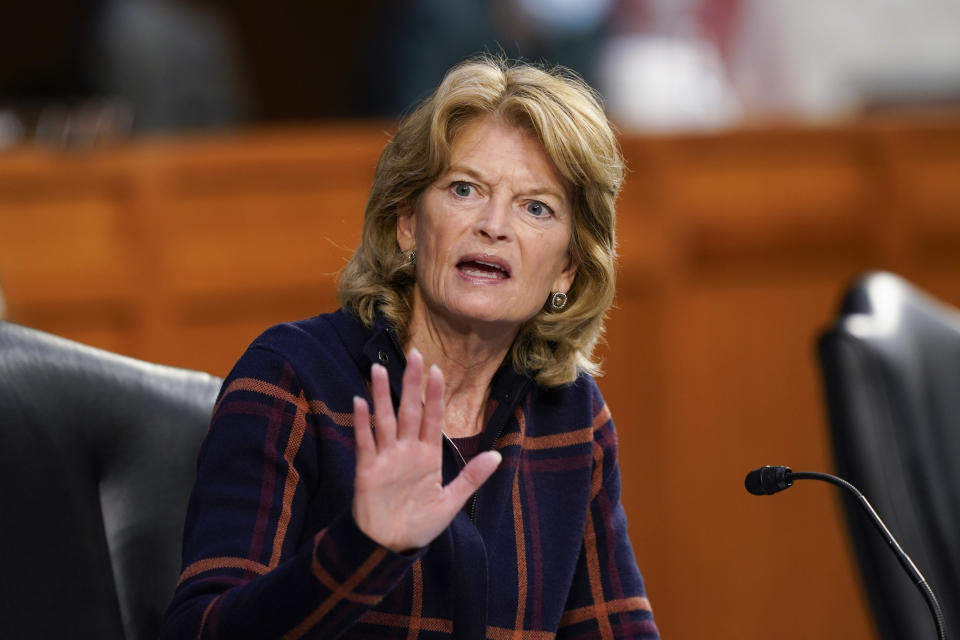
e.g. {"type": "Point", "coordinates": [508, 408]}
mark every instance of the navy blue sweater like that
{"type": "Point", "coordinates": [271, 549]}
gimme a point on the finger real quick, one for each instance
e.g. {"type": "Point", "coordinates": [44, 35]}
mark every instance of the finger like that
{"type": "Point", "coordinates": [366, 447]}
{"type": "Point", "coordinates": [411, 398]}
{"type": "Point", "coordinates": [431, 426]}
{"type": "Point", "coordinates": [386, 419]}
{"type": "Point", "coordinates": [472, 477]}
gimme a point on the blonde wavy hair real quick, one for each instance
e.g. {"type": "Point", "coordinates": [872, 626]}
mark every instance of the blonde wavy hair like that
{"type": "Point", "coordinates": [561, 111]}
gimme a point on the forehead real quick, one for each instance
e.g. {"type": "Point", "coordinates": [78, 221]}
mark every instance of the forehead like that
{"type": "Point", "coordinates": [494, 145]}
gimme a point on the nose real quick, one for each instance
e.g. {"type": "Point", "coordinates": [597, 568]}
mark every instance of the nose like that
{"type": "Point", "coordinates": [494, 220]}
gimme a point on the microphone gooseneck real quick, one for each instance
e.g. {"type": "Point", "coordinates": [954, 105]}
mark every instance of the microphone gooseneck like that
{"type": "Point", "coordinates": [772, 479]}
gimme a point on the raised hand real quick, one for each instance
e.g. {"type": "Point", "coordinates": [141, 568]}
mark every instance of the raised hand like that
{"type": "Point", "coordinates": [399, 499]}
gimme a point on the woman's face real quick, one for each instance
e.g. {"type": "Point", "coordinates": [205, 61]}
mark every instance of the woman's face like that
{"type": "Point", "coordinates": [492, 232]}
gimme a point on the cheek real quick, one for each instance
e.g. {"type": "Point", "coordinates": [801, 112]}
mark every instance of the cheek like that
{"type": "Point", "coordinates": [432, 254]}
{"type": "Point", "coordinates": [438, 237]}
{"type": "Point", "coordinates": [428, 244]}
{"type": "Point", "coordinates": [556, 252]}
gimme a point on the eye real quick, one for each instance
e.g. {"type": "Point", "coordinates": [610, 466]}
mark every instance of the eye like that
{"type": "Point", "coordinates": [539, 209]}
{"type": "Point", "coordinates": [462, 189]}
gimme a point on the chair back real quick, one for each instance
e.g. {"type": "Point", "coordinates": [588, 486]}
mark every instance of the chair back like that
{"type": "Point", "coordinates": [891, 371]}
{"type": "Point", "coordinates": [97, 459]}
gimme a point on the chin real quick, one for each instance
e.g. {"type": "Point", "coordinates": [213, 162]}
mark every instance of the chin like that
{"type": "Point", "coordinates": [485, 312]}
{"type": "Point", "coordinates": [490, 308]}
{"type": "Point", "coordinates": [495, 316]}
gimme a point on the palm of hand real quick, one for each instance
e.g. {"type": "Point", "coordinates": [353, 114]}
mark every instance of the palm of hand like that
{"type": "Point", "coordinates": [399, 497]}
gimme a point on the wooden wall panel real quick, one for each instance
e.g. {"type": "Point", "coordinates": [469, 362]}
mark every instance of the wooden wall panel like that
{"type": "Point", "coordinates": [741, 391]}
{"type": "Point", "coordinates": [65, 247]}
{"type": "Point", "coordinates": [734, 250]}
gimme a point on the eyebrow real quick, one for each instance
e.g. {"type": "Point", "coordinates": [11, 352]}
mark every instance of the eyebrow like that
{"type": "Point", "coordinates": [537, 190]}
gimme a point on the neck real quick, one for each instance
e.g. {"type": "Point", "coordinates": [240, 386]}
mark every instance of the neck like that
{"type": "Point", "coordinates": [468, 356]}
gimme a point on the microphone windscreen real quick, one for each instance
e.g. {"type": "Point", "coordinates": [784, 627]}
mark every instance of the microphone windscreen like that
{"type": "Point", "coordinates": [768, 480]}
{"type": "Point", "coordinates": [754, 484]}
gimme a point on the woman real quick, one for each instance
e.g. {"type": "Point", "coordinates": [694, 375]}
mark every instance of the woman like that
{"type": "Point", "coordinates": [488, 505]}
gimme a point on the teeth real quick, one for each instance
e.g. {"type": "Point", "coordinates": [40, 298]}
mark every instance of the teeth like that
{"type": "Point", "coordinates": [484, 269]}
{"type": "Point", "coordinates": [482, 274]}
{"type": "Point", "coordinates": [490, 264]}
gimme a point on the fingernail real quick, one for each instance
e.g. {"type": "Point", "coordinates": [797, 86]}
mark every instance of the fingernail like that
{"type": "Point", "coordinates": [413, 351]}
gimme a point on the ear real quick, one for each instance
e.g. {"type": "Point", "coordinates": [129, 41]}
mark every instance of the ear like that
{"type": "Point", "coordinates": [564, 281]}
{"type": "Point", "coordinates": [406, 227]}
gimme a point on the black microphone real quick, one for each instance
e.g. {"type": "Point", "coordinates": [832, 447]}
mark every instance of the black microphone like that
{"type": "Point", "coordinates": [768, 480]}
{"type": "Point", "coordinates": [772, 479]}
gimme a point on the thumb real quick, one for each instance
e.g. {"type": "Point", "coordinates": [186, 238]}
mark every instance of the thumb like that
{"type": "Point", "coordinates": [472, 477]}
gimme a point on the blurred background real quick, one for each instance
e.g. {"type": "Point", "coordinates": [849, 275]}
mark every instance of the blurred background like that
{"type": "Point", "coordinates": [175, 176]}
{"type": "Point", "coordinates": [74, 71]}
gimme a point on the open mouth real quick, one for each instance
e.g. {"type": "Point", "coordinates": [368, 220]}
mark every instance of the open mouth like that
{"type": "Point", "coordinates": [483, 269]}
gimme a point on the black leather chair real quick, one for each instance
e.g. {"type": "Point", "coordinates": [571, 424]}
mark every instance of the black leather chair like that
{"type": "Point", "coordinates": [97, 458]}
{"type": "Point", "coordinates": [891, 367]}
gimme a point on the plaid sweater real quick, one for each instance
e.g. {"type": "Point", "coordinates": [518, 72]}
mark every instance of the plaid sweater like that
{"type": "Point", "coordinates": [271, 549]}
